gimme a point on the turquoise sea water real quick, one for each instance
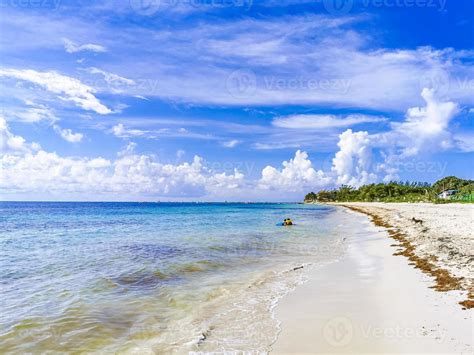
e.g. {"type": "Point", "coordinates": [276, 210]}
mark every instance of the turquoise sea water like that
{"type": "Point", "coordinates": [154, 277]}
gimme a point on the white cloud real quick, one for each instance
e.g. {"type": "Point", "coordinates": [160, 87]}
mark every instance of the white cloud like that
{"type": "Point", "coordinates": [426, 127]}
{"type": "Point", "coordinates": [128, 150]}
{"type": "Point", "coordinates": [276, 145]}
{"type": "Point", "coordinates": [311, 59]}
{"type": "Point", "coordinates": [231, 144]}
{"type": "Point", "coordinates": [465, 141]}
{"type": "Point", "coordinates": [321, 122]}
{"type": "Point", "coordinates": [34, 113]}
{"type": "Point", "coordinates": [69, 89]}
{"type": "Point", "coordinates": [10, 142]}
{"type": "Point", "coordinates": [72, 47]}
{"type": "Point", "coordinates": [128, 175]}
{"type": "Point", "coordinates": [68, 135]}
{"type": "Point", "coordinates": [297, 174]}
{"type": "Point", "coordinates": [134, 175]}
{"type": "Point", "coordinates": [131, 174]}
{"type": "Point", "coordinates": [120, 131]}
{"type": "Point", "coordinates": [317, 59]}
{"type": "Point", "coordinates": [115, 81]}
{"type": "Point", "coordinates": [25, 169]}
{"type": "Point", "coordinates": [352, 162]}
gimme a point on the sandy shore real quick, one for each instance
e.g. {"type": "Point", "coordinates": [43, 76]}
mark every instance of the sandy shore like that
{"type": "Point", "coordinates": [438, 239]}
{"type": "Point", "coordinates": [372, 301]}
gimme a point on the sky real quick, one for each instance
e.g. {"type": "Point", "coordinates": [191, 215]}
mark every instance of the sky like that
{"type": "Point", "coordinates": [231, 100]}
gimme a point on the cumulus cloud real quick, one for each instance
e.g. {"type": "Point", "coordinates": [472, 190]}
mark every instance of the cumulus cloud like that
{"type": "Point", "coordinates": [321, 122]}
{"type": "Point", "coordinates": [297, 174]}
{"type": "Point", "coordinates": [72, 47]}
{"type": "Point", "coordinates": [28, 170]}
{"type": "Point", "coordinates": [10, 142]}
{"type": "Point", "coordinates": [129, 149]}
{"type": "Point", "coordinates": [425, 127]}
{"type": "Point", "coordinates": [69, 89]}
{"type": "Point", "coordinates": [352, 162]}
{"type": "Point", "coordinates": [35, 171]}
{"type": "Point", "coordinates": [68, 135]}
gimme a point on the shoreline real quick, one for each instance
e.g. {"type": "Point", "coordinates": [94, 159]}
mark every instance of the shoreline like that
{"type": "Point", "coordinates": [445, 278]}
{"type": "Point", "coordinates": [370, 301]}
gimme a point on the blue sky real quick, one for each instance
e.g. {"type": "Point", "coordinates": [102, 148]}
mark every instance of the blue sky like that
{"type": "Point", "coordinates": [231, 99]}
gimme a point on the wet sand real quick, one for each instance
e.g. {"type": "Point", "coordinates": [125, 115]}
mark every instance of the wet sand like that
{"type": "Point", "coordinates": [372, 301]}
{"type": "Point", "coordinates": [437, 239]}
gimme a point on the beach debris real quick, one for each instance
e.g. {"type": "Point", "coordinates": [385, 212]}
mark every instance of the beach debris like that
{"type": "Point", "coordinates": [298, 267]}
{"type": "Point", "coordinates": [204, 335]}
{"type": "Point", "coordinates": [443, 280]}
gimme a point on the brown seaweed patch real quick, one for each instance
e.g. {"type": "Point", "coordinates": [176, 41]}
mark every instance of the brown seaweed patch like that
{"type": "Point", "coordinates": [196, 267]}
{"type": "Point", "coordinates": [142, 279]}
{"type": "Point", "coordinates": [444, 281]}
{"type": "Point", "coordinates": [469, 303]}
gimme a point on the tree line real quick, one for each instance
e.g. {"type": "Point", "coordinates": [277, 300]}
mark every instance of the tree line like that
{"type": "Point", "coordinates": [396, 191]}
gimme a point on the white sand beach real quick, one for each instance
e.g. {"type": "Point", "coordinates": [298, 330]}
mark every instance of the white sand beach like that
{"type": "Point", "coordinates": [373, 301]}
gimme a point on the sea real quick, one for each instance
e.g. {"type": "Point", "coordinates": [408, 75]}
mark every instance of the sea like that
{"type": "Point", "coordinates": [154, 278]}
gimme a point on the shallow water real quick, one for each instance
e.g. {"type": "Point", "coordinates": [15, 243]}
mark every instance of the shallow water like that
{"type": "Point", "coordinates": [154, 277]}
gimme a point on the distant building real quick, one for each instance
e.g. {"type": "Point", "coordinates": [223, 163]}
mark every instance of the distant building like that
{"type": "Point", "coordinates": [446, 194]}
